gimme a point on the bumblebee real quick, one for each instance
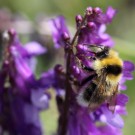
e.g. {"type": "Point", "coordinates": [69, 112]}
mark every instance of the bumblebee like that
{"type": "Point", "coordinates": [102, 86]}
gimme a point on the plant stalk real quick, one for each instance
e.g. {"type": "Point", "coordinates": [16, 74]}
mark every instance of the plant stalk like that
{"type": "Point", "coordinates": [69, 52]}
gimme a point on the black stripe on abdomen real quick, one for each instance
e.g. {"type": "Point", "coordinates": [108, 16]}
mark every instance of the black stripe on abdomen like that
{"type": "Point", "coordinates": [114, 69]}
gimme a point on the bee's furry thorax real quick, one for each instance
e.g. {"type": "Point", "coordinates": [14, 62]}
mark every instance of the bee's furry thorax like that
{"type": "Point", "coordinates": [112, 65]}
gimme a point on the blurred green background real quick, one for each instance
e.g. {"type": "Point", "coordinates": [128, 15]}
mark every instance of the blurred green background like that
{"type": "Point", "coordinates": [28, 16]}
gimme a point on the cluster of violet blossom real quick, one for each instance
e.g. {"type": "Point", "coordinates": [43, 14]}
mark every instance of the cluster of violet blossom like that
{"type": "Point", "coordinates": [21, 95]}
{"type": "Point", "coordinates": [73, 118]}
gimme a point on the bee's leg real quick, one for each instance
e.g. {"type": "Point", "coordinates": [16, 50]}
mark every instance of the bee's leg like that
{"type": "Point", "coordinates": [87, 79]}
{"type": "Point", "coordinates": [112, 100]}
{"type": "Point", "coordinates": [87, 68]}
{"type": "Point", "coordinates": [91, 72]}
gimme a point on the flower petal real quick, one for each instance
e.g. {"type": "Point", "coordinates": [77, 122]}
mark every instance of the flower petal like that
{"type": "Point", "coordinates": [122, 99]}
{"type": "Point", "coordinates": [58, 27]}
{"type": "Point", "coordinates": [39, 98]}
{"type": "Point", "coordinates": [128, 66]}
{"type": "Point", "coordinates": [34, 48]}
{"type": "Point", "coordinates": [110, 13]}
{"type": "Point", "coordinates": [116, 121]}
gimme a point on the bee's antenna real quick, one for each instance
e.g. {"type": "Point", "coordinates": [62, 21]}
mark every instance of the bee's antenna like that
{"type": "Point", "coordinates": [91, 45]}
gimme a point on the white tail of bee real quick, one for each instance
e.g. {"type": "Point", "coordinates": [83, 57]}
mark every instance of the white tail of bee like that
{"type": "Point", "coordinates": [81, 101]}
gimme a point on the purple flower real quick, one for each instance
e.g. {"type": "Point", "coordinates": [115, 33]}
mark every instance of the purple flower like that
{"type": "Point", "coordinates": [37, 49]}
{"type": "Point", "coordinates": [105, 130]}
{"type": "Point", "coordinates": [22, 118]}
{"type": "Point", "coordinates": [59, 31]}
{"type": "Point", "coordinates": [54, 78]}
{"type": "Point", "coordinates": [74, 118]}
{"type": "Point", "coordinates": [94, 31]}
{"type": "Point", "coordinates": [128, 68]}
{"type": "Point", "coordinates": [22, 96]}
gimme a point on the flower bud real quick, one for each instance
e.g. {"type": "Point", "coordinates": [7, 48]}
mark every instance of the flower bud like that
{"type": "Point", "coordinates": [12, 32]}
{"type": "Point", "coordinates": [97, 10]}
{"type": "Point", "coordinates": [66, 36]}
{"type": "Point", "coordinates": [76, 70]}
{"type": "Point", "coordinates": [81, 48]}
{"type": "Point", "coordinates": [91, 25]}
{"type": "Point", "coordinates": [78, 18]}
{"type": "Point", "coordinates": [58, 68]}
{"type": "Point", "coordinates": [89, 10]}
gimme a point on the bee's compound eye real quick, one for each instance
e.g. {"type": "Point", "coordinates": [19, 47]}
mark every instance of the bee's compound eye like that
{"type": "Point", "coordinates": [94, 58]}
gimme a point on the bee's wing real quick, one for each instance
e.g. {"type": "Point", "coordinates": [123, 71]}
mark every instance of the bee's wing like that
{"type": "Point", "coordinates": [101, 83]}
{"type": "Point", "coordinates": [88, 79]}
{"type": "Point", "coordinates": [112, 99]}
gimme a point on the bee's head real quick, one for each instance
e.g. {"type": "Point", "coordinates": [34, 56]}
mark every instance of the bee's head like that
{"type": "Point", "coordinates": [103, 53]}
